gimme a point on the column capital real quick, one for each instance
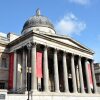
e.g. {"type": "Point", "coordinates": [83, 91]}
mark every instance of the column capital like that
{"type": "Point", "coordinates": [72, 54]}
{"type": "Point", "coordinates": [64, 52]}
{"type": "Point", "coordinates": [34, 43]}
{"type": "Point", "coordinates": [86, 59]}
{"type": "Point", "coordinates": [22, 46]}
{"type": "Point", "coordinates": [23, 49]}
{"type": "Point", "coordinates": [55, 49]}
{"type": "Point", "coordinates": [15, 51]}
{"type": "Point", "coordinates": [45, 47]}
{"type": "Point", "coordinates": [91, 60]}
{"type": "Point", "coordinates": [29, 45]}
{"type": "Point", "coordinates": [80, 56]}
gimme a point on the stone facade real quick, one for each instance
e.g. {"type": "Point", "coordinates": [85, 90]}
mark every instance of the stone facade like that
{"type": "Point", "coordinates": [4, 63]}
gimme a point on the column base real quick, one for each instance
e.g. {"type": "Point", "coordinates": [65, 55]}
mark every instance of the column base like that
{"type": "Point", "coordinates": [83, 92]}
{"type": "Point", "coordinates": [46, 90]}
{"type": "Point", "coordinates": [26, 92]}
{"type": "Point", "coordinates": [34, 91]}
{"type": "Point", "coordinates": [67, 91]}
{"type": "Point", "coordinates": [31, 92]}
{"type": "Point", "coordinates": [57, 91]}
{"type": "Point", "coordinates": [75, 91]}
{"type": "Point", "coordinates": [90, 92]}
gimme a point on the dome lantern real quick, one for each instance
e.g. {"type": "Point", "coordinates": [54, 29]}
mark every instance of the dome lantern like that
{"type": "Point", "coordinates": [38, 13]}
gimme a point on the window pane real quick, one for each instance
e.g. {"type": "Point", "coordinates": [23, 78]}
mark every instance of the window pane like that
{"type": "Point", "coordinates": [2, 85]}
{"type": "Point", "coordinates": [4, 63]}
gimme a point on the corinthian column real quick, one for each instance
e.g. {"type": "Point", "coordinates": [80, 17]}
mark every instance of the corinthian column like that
{"type": "Point", "coordinates": [87, 77]}
{"type": "Point", "coordinates": [73, 74]}
{"type": "Point", "coordinates": [45, 70]}
{"type": "Point", "coordinates": [33, 62]}
{"type": "Point", "coordinates": [81, 75]}
{"type": "Point", "coordinates": [93, 77]}
{"type": "Point", "coordinates": [65, 73]}
{"type": "Point", "coordinates": [24, 70]}
{"type": "Point", "coordinates": [15, 72]}
{"type": "Point", "coordinates": [56, 76]}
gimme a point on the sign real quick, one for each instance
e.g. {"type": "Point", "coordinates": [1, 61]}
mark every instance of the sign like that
{"type": "Point", "coordinates": [39, 64]}
{"type": "Point", "coordinates": [11, 65]}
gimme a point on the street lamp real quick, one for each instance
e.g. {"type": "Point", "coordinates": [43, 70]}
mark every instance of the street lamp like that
{"type": "Point", "coordinates": [29, 46]}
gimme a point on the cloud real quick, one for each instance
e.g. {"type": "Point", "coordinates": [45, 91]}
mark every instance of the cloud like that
{"type": "Point", "coordinates": [70, 24]}
{"type": "Point", "coordinates": [81, 2]}
{"type": "Point", "coordinates": [3, 34]}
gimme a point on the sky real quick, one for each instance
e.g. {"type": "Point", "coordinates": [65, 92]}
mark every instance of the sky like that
{"type": "Point", "coordinates": [79, 19]}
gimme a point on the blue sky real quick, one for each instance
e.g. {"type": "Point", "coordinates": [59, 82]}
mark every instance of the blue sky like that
{"type": "Point", "coordinates": [78, 18]}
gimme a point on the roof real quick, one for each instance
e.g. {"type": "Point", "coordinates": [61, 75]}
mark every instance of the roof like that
{"type": "Point", "coordinates": [38, 21]}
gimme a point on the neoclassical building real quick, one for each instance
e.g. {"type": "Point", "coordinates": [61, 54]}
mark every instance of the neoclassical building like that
{"type": "Point", "coordinates": [40, 60]}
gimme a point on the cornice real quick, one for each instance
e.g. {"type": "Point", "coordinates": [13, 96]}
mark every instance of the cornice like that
{"type": "Point", "coordinates": [19, 39]}
{"type": "Point", "coordinates": [46, 37]}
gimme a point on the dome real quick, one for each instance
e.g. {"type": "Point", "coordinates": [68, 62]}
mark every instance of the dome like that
{"type": "Point", "coordinates": [38, 22]}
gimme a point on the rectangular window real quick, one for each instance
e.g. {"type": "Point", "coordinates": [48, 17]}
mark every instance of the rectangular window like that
{"type": "Point", "coordinates": [4, 63]}
{"type": "Point", "coordinates": [2, 85]}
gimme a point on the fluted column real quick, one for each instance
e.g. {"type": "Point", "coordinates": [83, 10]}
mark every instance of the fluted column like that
{"type": "Point", "coordinates": [15, 72]}
{"type": "Point", "coordinates": [87, 77]}
{"type": "Point", "coordinates": [81, 75]}
{"type": "Point", "coordinates": [24, 70]}
{"type": "Point", "coordinates": [93, 77]}
{"type": "Point", "coordinates": [56, 76]}
{"type": "Point", "coordinates": [33, 62]}
{"type": "Point", "coordinates": [73, 74]}
{"type": "Point", "coordinates": [45, 70]}
{"type": "Point", "coordinates": [65, 73]}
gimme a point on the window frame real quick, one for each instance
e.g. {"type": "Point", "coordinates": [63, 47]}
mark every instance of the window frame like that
{"type": "Point", "coordinates": [3, 62]}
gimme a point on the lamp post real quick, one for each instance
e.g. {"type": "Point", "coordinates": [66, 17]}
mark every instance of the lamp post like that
{"type": "Point", "coordinates": [29, 46]}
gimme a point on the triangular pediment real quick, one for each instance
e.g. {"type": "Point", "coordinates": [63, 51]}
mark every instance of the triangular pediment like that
{"type": "Point", "coordinates": [68, 40]}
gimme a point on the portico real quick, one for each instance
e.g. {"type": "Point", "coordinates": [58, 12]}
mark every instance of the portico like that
{"type": "Point", "coordinates": [58, 69]}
